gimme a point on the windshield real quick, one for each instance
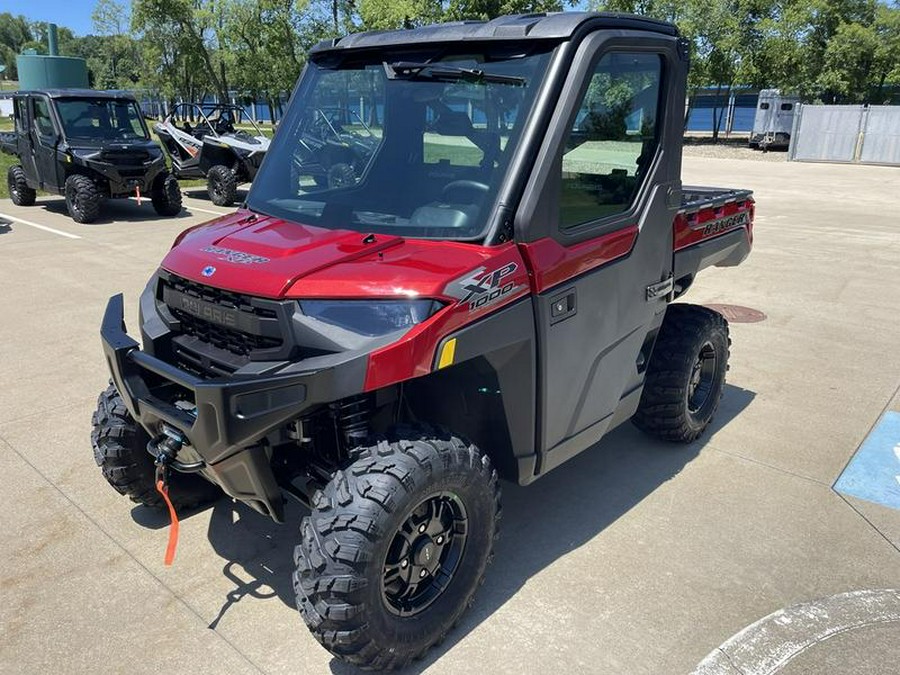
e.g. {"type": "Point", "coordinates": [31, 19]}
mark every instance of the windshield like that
{"type": "Point", "coordinates": [416, 145]}
{"type": "Point", "coordinates": [103, 119]}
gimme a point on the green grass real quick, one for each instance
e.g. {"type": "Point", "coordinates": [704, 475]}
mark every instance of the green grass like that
{"type": "Point", "coordinates": [6, 161]}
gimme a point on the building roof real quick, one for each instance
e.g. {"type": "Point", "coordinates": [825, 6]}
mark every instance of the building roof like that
{"type": "Point", "coordinates": [551, 26]}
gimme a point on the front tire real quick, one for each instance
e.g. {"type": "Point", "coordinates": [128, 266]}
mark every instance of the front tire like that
{"type": "Point", "coordinates": [686, 374]}
{"type": "Point", "coordinates": [83, 199]}
{"type": "Point", "coordinates": [166, 195]}
{"type": "Point", "coordinates": [120, 450]}
{"type": "Point", "coordinates": [221, 185]}
{"type": "Point", "coordinates": [19, 192]}
{"type": "Point", "coordinates": [396, 546]}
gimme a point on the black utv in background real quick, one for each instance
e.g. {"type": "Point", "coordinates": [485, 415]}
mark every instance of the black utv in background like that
{"type": "Point", "coordinates": [88, 146]}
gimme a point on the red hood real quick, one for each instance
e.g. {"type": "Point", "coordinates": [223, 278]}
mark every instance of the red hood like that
{"type": "Point", "coordinates": [274, 258]}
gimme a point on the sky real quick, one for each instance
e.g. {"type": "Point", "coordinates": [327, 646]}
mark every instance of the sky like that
{"type": "Point", "coordinates": [74, 14]}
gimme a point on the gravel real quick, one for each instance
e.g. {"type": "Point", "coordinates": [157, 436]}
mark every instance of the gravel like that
{"type": "Point", "coordinates": [732, 150]}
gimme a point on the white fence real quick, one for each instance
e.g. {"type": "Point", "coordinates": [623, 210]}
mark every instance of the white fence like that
{"type": "Point", "coordinates": [846, 133]}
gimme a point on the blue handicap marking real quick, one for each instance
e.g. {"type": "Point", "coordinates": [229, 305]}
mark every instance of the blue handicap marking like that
{"type": "Point", "coordinates": [874, 472]}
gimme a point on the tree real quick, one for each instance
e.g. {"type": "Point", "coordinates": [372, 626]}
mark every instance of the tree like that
{"type": "Point", "coordinates": [848, 59]}
{"type": "Point", "coordinates": [459, 10]}
{"type": "Point", "coordinates": [267, 42]}
{"type": "Point", "coordinates": [886, 65]}
{"type": "Point", "coordinates": [15, 33]}
{"type": "Point", "coordinates": [189, 28]}
{"type": "Point", "coordinates": [115, 60]}
{"type": "Point", "coordinates": [387, 14]}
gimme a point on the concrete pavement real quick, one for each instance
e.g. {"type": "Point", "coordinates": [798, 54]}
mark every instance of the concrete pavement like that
{"type": "Point", "coordinates": [635, 557]}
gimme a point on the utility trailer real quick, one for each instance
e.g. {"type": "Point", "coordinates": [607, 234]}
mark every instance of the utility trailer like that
{"type": "Point", "coordinates": [486, 296]}
{"type": "Point", "coordinates": [774, 120]}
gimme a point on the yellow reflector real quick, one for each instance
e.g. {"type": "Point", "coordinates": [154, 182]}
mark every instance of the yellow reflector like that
{"type": "Point", "coordinates": [448, 351]}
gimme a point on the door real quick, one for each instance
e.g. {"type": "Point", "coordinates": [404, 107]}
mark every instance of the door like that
{"type": "Point", "coordinates": [45, 137]}
{"type": "Point", "coordinates": [25, 141]}
{"type": "Point", "coordinates": [602, 261]}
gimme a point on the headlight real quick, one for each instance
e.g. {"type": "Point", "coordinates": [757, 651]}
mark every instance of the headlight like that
{"type": "Point", "coordinates": [370, 317]}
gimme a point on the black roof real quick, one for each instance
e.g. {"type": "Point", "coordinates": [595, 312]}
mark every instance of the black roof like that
{"type": "Point", "coordinates": [550, 26]}
{"type": "Point", "coordinates": [80, 93]}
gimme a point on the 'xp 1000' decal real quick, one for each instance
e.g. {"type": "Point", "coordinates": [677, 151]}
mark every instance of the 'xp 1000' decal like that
{"type": "Point", "coordinates": [484, 287]}
{"type": "Point", "coordinates": [712, 227]}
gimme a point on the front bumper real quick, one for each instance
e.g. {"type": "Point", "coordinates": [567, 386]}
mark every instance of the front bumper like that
{"type": "Point", "coordinates": [231, 415]}
{"type": "Point", "coordinates": [124, 179]}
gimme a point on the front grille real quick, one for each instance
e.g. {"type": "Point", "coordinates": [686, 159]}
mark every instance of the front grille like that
{"type": "Point", "coordinates": [234, 341]}
{"type": "Point", "coordinates": [203, 345]}
{"type": "Point", "coordinates": [121, 158]}
{"type": "Point", "coordinates": [243, 303]}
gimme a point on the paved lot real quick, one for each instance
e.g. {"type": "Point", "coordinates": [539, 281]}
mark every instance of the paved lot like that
{"type": "Point", "coordinates": [636, 557]}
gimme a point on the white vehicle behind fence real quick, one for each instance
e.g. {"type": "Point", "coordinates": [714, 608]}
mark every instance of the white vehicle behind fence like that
{"type": "Point", "coordinates": [774, 119]}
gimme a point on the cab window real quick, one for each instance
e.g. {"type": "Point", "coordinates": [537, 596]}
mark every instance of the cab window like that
{"type": "Point", "coordinates": [613, 138]}
{"type": "Point", "coordinates": [21, 116]}
{"type": "Point", "coordinates": [42, 122]}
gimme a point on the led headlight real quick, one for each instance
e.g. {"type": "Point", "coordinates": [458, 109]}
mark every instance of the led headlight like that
{"type": "Point", "coordinates": [370, 317]}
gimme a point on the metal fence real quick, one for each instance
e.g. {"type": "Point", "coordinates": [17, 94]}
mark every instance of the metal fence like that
{"type": "Point", "coordinates": [846, 133]}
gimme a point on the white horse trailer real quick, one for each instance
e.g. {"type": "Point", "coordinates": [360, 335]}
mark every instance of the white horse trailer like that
{"type": "Point", "coordinates": [774, 119]}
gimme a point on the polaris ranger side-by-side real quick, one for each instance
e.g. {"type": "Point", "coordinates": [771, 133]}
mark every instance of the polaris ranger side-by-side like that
{"type": "Point", "coordinates": [88, 146]}
{"type": "Point", "coordinates": [486, 297]}
{"type": "Point", "coordinates": [213, 147]}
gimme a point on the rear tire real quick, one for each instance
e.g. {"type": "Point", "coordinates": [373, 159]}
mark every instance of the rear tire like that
{"type": "Point", "coordinates": [83, 199]}
{"type": "Point", "coordinates": [396, 546]}
{"type": "Point", "coordinates": [19, 192]}
{"type": "Point", "coordinates": [120, 450]}
{"type": "Point", "coordinates": [686, 374]}
{"type": "Point", "coordinates": [166, 195]}
{"type": "Point", "coordinates": [221, 185]}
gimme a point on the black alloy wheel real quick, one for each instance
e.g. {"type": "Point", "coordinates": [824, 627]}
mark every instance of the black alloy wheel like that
{"type": "Point", "coordinates": [685, 376]}
{"type": "Point", "coordinates": [703, 377]}
{"type": "Point", "coordinates": [396, 545]}
{"type": "Point", "coordinates": [424, 554]}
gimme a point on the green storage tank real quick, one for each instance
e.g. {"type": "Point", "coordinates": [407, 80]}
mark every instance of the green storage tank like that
{"type": "Point", "coordinates": [51, 72]}
{"type": "Point", "coordinates": [37, 71]}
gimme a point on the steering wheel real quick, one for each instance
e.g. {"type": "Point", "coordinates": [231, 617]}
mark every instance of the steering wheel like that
{"type": "Point", "coordinates": [463, 186]}
{"type": "Point", "coordinates": [224, 125]}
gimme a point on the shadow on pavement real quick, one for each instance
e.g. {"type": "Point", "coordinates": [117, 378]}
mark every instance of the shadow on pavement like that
{"type": "Point", "coordinates": [201, 193]}
{"type": "Point", "coordinates": [542, 522]}
{"type": "Point", "coordinates": [114, 211]}
{"type": "Point", "coordinates": [5, 227]}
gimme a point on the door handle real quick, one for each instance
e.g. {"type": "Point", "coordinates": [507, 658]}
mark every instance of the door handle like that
{"type": "Point", "coordinates": [563, 306]}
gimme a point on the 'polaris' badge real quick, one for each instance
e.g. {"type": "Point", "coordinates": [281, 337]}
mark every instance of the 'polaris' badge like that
{"type": "Point", "coordinates": [208, 271]}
